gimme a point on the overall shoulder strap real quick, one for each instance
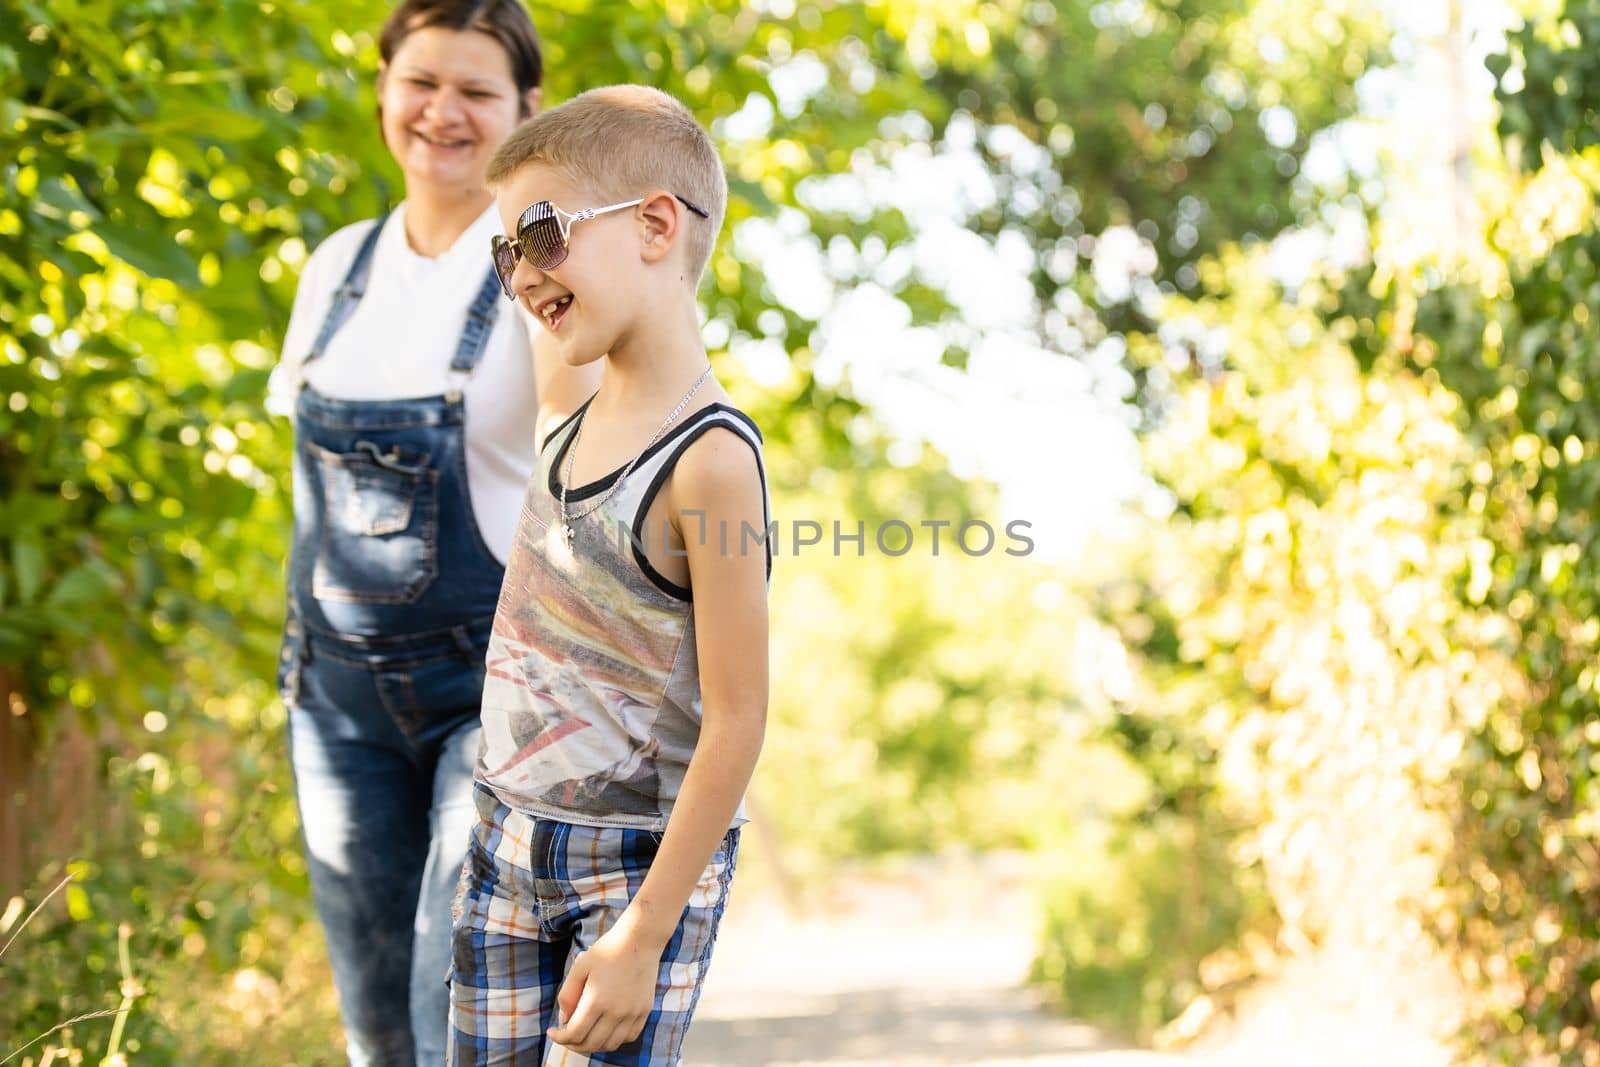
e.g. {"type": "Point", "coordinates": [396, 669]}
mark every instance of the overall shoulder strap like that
{"type": "Point", "coordinates": [480, 323]}
{"type": "Point", "coordinates": [350, 291]}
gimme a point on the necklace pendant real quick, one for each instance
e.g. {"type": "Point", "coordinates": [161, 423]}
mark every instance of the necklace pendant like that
{"type": "Point", "coordinates": [567, 532]}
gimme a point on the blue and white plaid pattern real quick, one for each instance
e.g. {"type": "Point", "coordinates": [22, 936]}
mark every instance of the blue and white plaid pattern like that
{"type": "Point", "coordinates": [534, 894]}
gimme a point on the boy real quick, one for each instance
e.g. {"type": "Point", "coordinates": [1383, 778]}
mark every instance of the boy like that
{"type": "Point", "coordinates": [627, 672]}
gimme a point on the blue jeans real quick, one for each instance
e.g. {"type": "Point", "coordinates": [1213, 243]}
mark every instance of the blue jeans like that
{"type": "Point", "coordinates": [391, 596]}
{"type": "Point", "coordinates": [387, 817]}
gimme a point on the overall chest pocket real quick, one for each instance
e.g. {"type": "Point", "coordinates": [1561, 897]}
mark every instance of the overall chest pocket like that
{"type": "Point", "coordinates": [380, 524]}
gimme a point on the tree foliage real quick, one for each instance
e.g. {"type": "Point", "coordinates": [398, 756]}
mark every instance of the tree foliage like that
{"type": "Point", "coordinates": [1153, 135]}
{"type": "Point", "coordinates": [1517, 340]}
{"type": "Point", "coordinates": [1383, 585]}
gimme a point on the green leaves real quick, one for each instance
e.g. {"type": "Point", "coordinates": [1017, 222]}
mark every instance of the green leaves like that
{"type": "Point", "coordinates": [1554, 106]}
{"type": "Point", "coordinates": [28, 565]}
{"type": "Point", "coordinates": [1522, 870]}
{"type": "Point", "coordinates": [150, 252]}
{"type": "Point", "coordinates": [83, 587]}
{"type": "Point", "coordinates": [130, 421]}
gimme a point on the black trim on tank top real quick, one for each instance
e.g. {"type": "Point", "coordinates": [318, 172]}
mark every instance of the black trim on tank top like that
{"type": "Point", "coordinates": [551, 436]}
{"type": "Point", "coordinates": [583, 492]}
{"type": "Point", "coordinates": [659, 580]}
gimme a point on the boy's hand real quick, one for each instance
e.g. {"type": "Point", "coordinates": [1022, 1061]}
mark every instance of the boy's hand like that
{"type": "Point", "coordinates": [608, 994]}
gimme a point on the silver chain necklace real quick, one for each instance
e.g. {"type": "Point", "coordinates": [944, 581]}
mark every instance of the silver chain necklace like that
{"type": "Point", "coordinates": [572, 452]}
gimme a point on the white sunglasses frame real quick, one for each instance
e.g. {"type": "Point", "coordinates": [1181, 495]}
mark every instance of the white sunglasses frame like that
{"type": "Point", "coordinates": [564, 222]}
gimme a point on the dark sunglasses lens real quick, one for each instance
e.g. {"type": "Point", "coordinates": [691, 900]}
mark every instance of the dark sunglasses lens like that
{"type": "Point", "coordinates": [539, 236]}
{"type": "Point", "coordinates": [505, 261]}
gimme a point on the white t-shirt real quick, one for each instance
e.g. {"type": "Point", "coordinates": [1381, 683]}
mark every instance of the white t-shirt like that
{"type": "Point", "coordinates": [399, 342]}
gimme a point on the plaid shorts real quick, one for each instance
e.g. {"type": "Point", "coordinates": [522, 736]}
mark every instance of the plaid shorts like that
{"type": "Point", "coordinates": [534, 893]}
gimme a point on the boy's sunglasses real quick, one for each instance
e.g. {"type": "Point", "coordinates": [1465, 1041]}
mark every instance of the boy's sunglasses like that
{"type": "Point", "coordinates": [544, 235]}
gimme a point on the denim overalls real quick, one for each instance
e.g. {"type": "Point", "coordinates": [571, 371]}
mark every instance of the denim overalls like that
{"type": "Point", "coordinates": [392, 594]}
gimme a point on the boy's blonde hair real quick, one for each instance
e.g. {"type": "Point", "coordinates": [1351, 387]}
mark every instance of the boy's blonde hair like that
{"type": "Point", "coordinates": [625, 140]}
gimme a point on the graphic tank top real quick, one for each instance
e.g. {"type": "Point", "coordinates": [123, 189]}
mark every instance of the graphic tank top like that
{"type": "Point", "coordinates": [591, 709]}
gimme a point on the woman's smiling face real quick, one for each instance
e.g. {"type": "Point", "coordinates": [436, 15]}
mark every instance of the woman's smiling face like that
{"type": "Point", "coordinates": [448, 99]}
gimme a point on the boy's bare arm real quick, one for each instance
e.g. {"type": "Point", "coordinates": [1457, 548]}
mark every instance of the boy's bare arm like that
{"type": "Point", "coordinates": [717, 478]}
{"type": "Point", "coordinates": [562, 389]}
{"type": "Point", "coordinates": [608, 995]}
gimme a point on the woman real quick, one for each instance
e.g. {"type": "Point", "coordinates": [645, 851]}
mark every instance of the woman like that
{"type": "Point", "coordinates": [416, 411]}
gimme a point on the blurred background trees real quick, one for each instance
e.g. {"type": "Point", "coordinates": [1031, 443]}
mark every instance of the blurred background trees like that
{"type": "Point", "coordinates": [1325, 688]}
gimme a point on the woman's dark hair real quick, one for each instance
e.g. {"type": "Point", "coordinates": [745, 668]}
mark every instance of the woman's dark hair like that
{"type": "Point", "coordinates": [506, 21]}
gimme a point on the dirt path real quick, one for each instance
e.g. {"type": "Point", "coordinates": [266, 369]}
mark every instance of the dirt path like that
{"type": "Point", "coordinates": [925, 968]}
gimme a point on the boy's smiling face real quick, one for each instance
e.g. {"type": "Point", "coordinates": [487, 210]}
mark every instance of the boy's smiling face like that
{"type": "Point", "coordinates": [623, 269]}
{"type": "Point", "coordinates": [577, 302]}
